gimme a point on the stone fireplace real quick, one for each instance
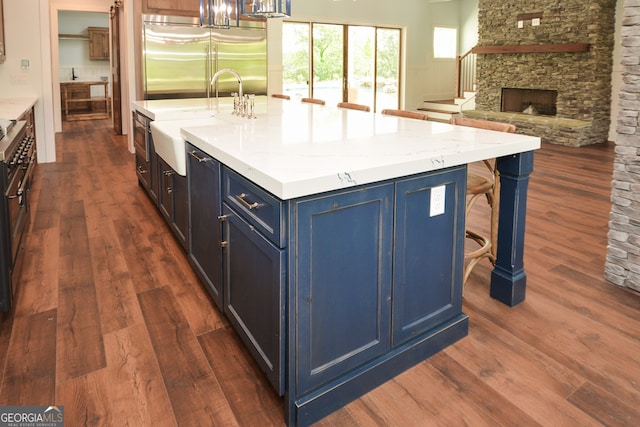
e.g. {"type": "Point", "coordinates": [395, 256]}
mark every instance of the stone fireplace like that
{"type": "Point", "coordinates": [547, 49]}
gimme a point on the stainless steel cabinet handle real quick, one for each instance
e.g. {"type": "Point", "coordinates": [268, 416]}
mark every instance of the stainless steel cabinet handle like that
{"type": "Point", "coordinates": [241, 199]}
{"type": "Point", "coordinates": [141, 170]}
{"type": "Point", "coordinates": [198, 158]}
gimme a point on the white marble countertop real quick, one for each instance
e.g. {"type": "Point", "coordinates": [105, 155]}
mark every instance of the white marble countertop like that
{"type": "Point", "coordinates": [294, 149]}
{"type": "Point", "coordinates": [13, 108]}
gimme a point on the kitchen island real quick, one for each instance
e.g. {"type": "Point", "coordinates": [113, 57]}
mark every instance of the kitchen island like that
{"type": "Point", "coordinates": [341, 236]}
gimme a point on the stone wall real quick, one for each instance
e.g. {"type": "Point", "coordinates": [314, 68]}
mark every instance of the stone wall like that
{"type": "Point", "coordinates": [622, 266]}
{"type": "Point", "coordinates": [582, 79]}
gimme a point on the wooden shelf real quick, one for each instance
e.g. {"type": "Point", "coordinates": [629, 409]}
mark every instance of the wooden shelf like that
{"type": "Point", "coordinates": [534, 48]}
{"type": "Point", "coordinates": [73, 37]}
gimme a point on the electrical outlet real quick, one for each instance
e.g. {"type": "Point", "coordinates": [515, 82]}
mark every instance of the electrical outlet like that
{"type": "Point", "coordinates": [437, 200]}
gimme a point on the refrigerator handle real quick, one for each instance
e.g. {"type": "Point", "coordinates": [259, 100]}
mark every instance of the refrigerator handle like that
{"type": "Point", "coordinates": [207, 71]}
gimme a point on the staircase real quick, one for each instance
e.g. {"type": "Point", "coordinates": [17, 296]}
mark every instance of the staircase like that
{"type": "Point", "coordinates": [443, 110]}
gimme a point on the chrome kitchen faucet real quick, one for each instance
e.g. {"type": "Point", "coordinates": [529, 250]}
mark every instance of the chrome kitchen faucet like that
{"type": "Point", "coordinates": [240, 102]}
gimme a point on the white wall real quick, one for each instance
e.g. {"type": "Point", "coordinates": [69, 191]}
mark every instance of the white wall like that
{"type": "Point", "coordinates": [74, 52]}
{"type": "Point", "coordinates": [22, 24]}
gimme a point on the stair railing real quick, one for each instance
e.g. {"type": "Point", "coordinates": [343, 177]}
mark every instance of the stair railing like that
{"type": "Point", "coordinates": [465, 73]}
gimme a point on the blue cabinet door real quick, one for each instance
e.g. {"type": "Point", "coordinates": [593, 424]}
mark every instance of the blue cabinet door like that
{"type": "Point", "coordinates": [254, 275]}
{"type": "Point", "coordinates": [180, 214]}
{"type": "Point", "coordinates": [173, 200]}
{"type": "Point", "coordinates": [429, 251]}
{"type": "Point", "coordinates": [340, 280]}
{"type": "Point", "coordinates": [153, 169]}
{"type": "Point", "coordinates": [205, 252]}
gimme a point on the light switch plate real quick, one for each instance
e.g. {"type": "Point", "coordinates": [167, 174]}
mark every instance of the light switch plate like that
{"type": "Point", "coordinates": [437, 200]}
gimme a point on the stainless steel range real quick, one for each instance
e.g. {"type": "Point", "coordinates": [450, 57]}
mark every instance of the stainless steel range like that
{"type": "Point", "coordinates": [17, 163]}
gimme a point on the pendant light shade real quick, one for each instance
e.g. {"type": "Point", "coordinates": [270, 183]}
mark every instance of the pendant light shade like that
{"type": "Point", "coordinates": [216, 13]}
{"type": "Point", "coordinates": [266, 8]}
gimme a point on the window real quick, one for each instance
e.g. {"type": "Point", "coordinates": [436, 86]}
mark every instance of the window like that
{"type": "Point", "coordinates": [337, 63]}
{"type": "Point", "coordinates": [445, 42]}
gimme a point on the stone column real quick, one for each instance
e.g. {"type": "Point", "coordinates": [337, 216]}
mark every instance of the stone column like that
{"type": "Point", "coordinates": [622, 266]}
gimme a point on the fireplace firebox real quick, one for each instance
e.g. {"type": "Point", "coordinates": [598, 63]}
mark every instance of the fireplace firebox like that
{"type": "Point", "coordinates": [529, 101]}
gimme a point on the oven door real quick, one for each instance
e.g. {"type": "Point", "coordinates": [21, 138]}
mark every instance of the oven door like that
{"type": "Point", "coordinates": [17, 199]}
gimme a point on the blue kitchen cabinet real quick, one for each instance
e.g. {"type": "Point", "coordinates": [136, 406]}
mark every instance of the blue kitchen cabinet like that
{"type": "Point", "coordinates": [429, 253]}
{"type": "Point", "coordinates": [334, 293]}
{"type": "Point", "coordinates": [255, 271]}
{"type": "Point", "coordinates": [374, 286]}
{"type": "Point", "coordinates": [341, 247]}
{"type": "Point", "coordinates": [205, 231]}
{"type": "Point", "coordinates": [173, 200]}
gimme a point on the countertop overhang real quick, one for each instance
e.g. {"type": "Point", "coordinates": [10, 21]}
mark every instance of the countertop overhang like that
{"type": "Point", "coordinates": [293, 149]}
{"type": "Point", "coordinates": [13, 108]}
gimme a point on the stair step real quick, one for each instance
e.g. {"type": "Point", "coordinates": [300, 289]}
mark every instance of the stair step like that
{"type": "Point", "coordinates": [451, 101]}
{"type": "Point", "coordinates": [435, 110]}
{"type": "Point", "coordinates": [438, 115]}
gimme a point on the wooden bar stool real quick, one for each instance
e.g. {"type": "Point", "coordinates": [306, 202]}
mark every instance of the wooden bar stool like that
{"type": "Point", "coordinates": [352, 106]}
{"type": "Point", "coordinates": [487, 185]}
{"type": "Point", "coordinates": [313, 101]}
{"type": "Point", "coordinates": [404, 113]}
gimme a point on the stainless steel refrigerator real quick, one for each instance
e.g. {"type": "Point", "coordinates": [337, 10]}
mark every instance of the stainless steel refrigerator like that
{"type": "Point", "coordinates": [180, 57]}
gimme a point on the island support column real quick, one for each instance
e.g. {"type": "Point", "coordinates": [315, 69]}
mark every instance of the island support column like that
{"type": "Point", "coordinates": [508, 279]}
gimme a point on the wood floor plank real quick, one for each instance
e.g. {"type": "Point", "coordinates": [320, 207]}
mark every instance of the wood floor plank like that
{"type": "Point", "coordinates": [46, 204]}
{"type": "Point", "coordinates": [174, 271]}
{"type": "Point", "coordinates": [604, 407]}
{"type": "Point", "coordinates": [75, 268]}
{"type": "Point", "coordinates": [39, 279]}
{"type": "Point", "coordinates": [115, 291]}
{"type": "Point", "coordinates": [86, 400]}
{"type": "Point", "coordinates": [136, 387]}
{"type": "Point", "coordinates": [487, 403]}
{"type": "Point", "coordinates": [195, 394]}
{"type": "Point", "coordinates": [251, 397]}
{"type": "Point", "coordinates": [29, 375]}
{"type": "Point", "coordinates": [137, 252]}
{"type": "Point", "coordinates": [80, 349]}
{"type": "Point", "coordinates": [533, 382]}
{"type": "Point", "coordinates": [588, 348]}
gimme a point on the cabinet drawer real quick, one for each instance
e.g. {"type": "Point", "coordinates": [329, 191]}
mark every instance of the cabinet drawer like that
{"type": "Point", "coordinates": [260, 208]}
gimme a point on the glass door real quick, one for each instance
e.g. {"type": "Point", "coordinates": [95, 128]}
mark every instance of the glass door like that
{"type": "Point", "coordinates": [361, 65]}
{"type": "Point", "coordinates": [328, 48]}
{"type": "Point", "coordinates": [387, 68]}
{"type": "Point", "coordinates": [295, 59]}
{"type": "Point", "coordinates": [351, 63]}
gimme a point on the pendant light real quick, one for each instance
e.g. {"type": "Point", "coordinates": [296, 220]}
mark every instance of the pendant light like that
{"type": "Point", "coordinates": [216, 13]}
{"type": "Point", "coordinates": [266, 8]}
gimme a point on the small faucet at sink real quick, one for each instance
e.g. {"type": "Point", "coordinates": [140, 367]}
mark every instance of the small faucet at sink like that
{"type": "Point", "coordinates": [73, 74]}
{"type": "Point", "coordinates": [239, 103]}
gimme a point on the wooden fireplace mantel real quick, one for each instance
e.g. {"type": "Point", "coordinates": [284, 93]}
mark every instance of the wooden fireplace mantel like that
{"type": "Point", "coordinates": [534, 48]}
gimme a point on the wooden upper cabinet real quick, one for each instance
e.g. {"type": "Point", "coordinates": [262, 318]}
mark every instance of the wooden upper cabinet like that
{"type": "Point", "coordinates": [171, 7]}
{"type": "Point", "coordinates": [98, 43]}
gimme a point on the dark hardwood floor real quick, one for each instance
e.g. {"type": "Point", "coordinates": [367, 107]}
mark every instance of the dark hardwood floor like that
{"type": "Point", "coordinates": [111, 322]}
